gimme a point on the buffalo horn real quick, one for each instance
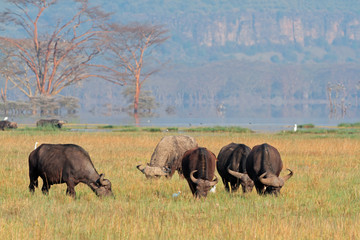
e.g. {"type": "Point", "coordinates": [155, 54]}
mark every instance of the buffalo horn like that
{"type": "Point", "coordinates": [138, 167]}
{"type": "Point", "coordinates": [192, 176]}
{"type": "Point", "coordinates": [236, 174]}
{"type": "Point", "coordinates": [273, 181]}
{"type": "Point", "coordinates": [214, 182]}
{"type": "Point", "coordinates": [166, 170]}
{"type": "Point", "coordinates": [288, 176]}
{"type": "Point", "coordinates": [103, 181]}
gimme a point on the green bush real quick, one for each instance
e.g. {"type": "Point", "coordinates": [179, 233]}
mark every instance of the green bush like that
{"type": "Point", "coordinates": [357, 124]}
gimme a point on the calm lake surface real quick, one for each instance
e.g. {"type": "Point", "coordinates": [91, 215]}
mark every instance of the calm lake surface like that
{"type": "Point", "coordinates": [254, 121]}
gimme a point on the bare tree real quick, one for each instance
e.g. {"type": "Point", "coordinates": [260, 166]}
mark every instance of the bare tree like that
{"type": "Point", "coordinates": [337, 95]}
{"type": "Point", "coordinates": [52, 53]}
{"type": "Point", "coordinates": [129, 48]}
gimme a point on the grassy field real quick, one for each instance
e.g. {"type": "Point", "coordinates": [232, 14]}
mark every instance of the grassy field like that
{"type": "Point", "coordinates": [321, 200]}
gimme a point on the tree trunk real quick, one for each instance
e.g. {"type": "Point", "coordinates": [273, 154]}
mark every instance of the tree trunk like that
{"type": "Point", "coordinates": [136, 99]}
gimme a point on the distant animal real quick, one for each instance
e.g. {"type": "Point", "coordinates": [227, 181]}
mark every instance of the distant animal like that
{"type": "Point", "coordinates": [263, 166]}
{"type": "Point", "coordinates": [65, 163]}
{"type": "Point", "coordinates": [166, 158]}
{"type": "Point", "coordinates": [231, 166]}
{"type": "Point", "coordinates": [7, 124]}
{"type": "Point", "coordinates": [50, 122]}
{"type": "Point", "coordinates": [198, 165]}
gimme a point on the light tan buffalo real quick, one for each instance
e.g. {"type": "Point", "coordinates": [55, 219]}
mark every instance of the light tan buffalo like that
{"type": "Point", "coordinates": [166, 158]}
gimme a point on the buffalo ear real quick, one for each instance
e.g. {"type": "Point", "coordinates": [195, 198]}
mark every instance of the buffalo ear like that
{"type": "Point", "coordinates": [100, 180]}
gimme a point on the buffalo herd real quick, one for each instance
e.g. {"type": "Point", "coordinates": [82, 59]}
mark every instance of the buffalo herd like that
{"type": "Point", "coordinates": [237, 164]}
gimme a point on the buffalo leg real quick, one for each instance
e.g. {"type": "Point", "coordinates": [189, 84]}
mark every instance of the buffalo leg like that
{"type": "Point", "coordinates": [226, 184]}
{"type": "Point", "coordinates": [260, 188]}
{"type": "Point", "coordinates": [234, 185]}
{"type": "Point", "coordinates": [33, 183]}
{"type": "Point", "coordinates": [45, 188]}
{"type": "Point", "coordinates": [192, 187]}
{"type": "Point", "coordinates": [70, 189]}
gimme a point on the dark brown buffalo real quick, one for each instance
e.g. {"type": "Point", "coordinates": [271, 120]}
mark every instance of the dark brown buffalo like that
{"type": "Point", "coordinates": [166, 158]}
{"type": "Point", "coordinates": [7, 124]}
{"type": "Point", "coordinates": [231, 166]}
{"type": "Point", "coordinates": [264, 165]}
{"type": "Point", "coordinates": [65, 163]}
{"type": "Point", "coordinates": [198, 165]}
{"type": "Point", "coordinates": [50, 123]}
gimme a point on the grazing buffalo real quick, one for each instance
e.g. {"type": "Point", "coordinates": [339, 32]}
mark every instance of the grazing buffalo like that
{"type": "Point", "coordinates": [263, 166]}
{"type": "Point", "coordinates": [166, 158]}
{"type": "Point", "coordinates": [65, 163]}
{"type": "Point", "coordinates": [50, 123]}
{"type": "Point", "coordinates": [7, 124]}
{"type": "Point", "coordinates": [198, 165]}
{"type": "Point", "coordinates": [231, 166]}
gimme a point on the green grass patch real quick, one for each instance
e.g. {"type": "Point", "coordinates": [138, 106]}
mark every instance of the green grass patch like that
{"type": "Point", "coordinates": [47, 128]}
{"type": "Point", "coordinates": [173, 129]}
{"type": "Point", "coordinates": [151, 129]}
{"type": "Point", "coordinates": [233, 129]}
{"type": "Point", "coordinates": [106, 127]}
{"type": "Point", "coordinates": [346, 125]}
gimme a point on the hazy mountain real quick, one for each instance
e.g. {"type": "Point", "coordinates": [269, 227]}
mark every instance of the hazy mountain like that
{"type": "Point", "coordinates": [261, 58]}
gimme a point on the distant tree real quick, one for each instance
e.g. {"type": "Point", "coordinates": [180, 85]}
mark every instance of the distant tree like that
{"type": "Point", "coordinates": [336, 96]}
{"type": "Point", "coordinates": [47, 54]}
{"type": "Point", "coordinates": [130, 47]}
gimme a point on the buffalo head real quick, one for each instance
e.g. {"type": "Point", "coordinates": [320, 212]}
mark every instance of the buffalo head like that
{"type": "Point", "coordinates": [202, 186]}
{"type": "Point", "coordinates": [246, 183]}
{"type": "Point", "coordinates": [150, 171]}
{"type": "Point", "coordinates": [103, 187]}
{"type": "Point", "coordinates": [273, 183]}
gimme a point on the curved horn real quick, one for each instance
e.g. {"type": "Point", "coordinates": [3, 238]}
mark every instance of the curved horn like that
{"type": "Point", "coordinates": [138, 167]}
{"type": "Point", "coordinates": [273, 181]}
{"type": "Point", "coordinates": [214, 182]}
{"type": "Point", "coordinates": [166, 170]}
{"type": "Point", "coordinates": [288, 176]}
{"type": "Point", "coordinates": [192, 176]}
{"type": "Point", "coordinates": [103, 181]}
{"type": "Point", "coordinates": [236, 174]}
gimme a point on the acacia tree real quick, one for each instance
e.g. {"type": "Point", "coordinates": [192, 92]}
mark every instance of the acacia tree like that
{"type": "Point", "coordinates": [52, 53]}
{"type": "Point", "coordinates": [129, 51]}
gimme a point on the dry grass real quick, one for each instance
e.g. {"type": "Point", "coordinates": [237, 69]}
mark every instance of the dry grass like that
{"type": "Point", "coordinates": [321, 201]}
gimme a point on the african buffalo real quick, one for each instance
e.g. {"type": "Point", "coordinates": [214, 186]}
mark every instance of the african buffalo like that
{"type": "Point", "coordinates": [65, 163]}
{"type": "Point", "coordinates": [7, 124]}
{"type": "Point", "coordinates": [166, 158]}
{"type": "Point", "coordinates": [198, 165]}
{"type": "Point", "coordinates": [231, 166]}
{"type": "Point", "coordinates": [263, 166]}
{"type": "Point", "coordinates": [49, 122]}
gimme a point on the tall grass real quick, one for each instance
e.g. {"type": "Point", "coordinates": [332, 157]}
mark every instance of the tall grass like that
{"type": "Point", "coordinates": [321, 200]}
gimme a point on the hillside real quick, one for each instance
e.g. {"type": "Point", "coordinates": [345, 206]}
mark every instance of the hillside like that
{"type": "Point", "coordinates": [265, 57]}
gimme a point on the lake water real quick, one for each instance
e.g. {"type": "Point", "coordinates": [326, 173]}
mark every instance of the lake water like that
{"type": "Point", "coordinates": [255, 124]}
{"type": "Point", "coordinates": [254, 121]}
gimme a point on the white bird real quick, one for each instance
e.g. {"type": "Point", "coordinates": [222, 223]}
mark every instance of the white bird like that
{"type": "Point", "coordinates": [176, 194]}
{"type": "Point", "coordinates": [213, 189]}
{"type": "Point", "coordinates": [295, 127]}
{"type": "Point", "coordinates": [36, 143]}
{"type": "Point", "coordinates": [5, 118]}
